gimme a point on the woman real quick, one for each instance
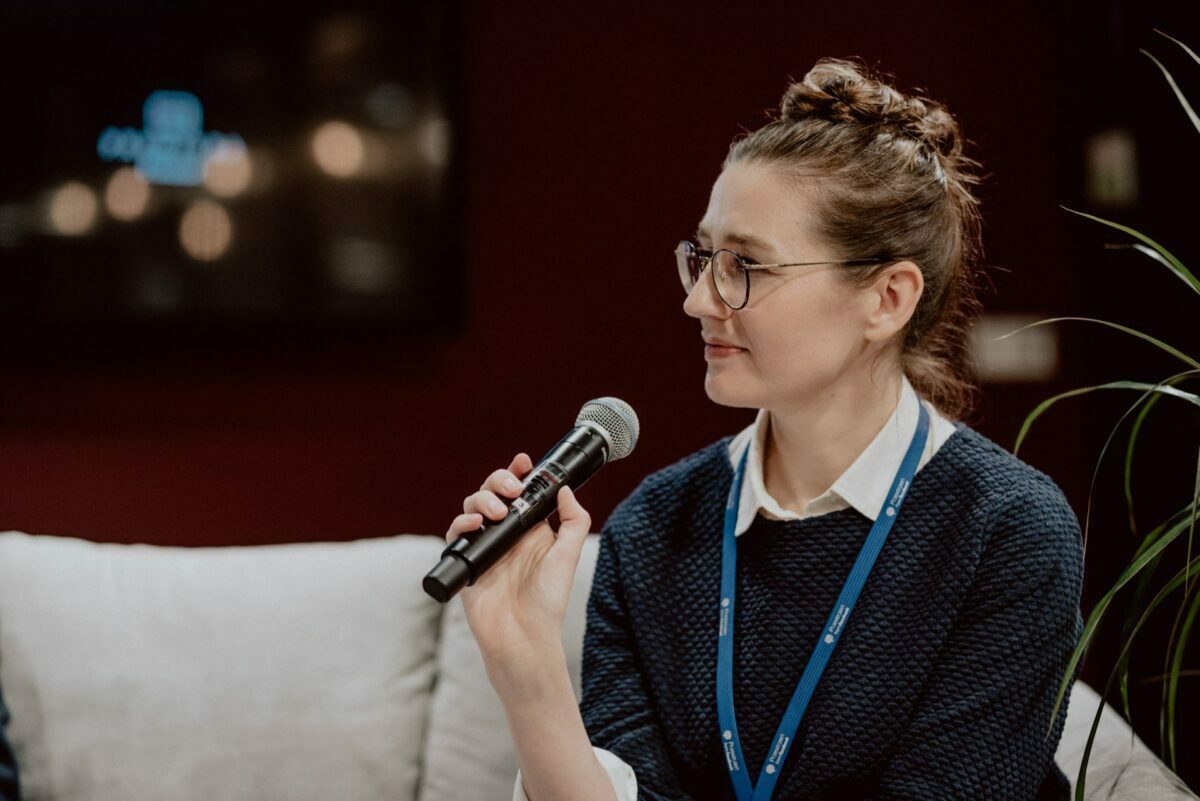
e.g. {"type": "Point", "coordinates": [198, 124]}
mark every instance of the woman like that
{"type": "Point", "coordinates": [851, 345]}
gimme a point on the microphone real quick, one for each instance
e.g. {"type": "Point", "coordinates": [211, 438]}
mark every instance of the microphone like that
{"type": "Point", "coordinates": [606, 429]}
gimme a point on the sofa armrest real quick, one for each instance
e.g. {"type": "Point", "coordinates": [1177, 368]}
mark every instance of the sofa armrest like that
{"type": "Point", "coordinates": [1120, 767]}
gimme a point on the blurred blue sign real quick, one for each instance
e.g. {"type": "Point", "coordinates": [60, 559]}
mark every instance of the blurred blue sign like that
{"type": "Point", "coordinates": [172, 148]}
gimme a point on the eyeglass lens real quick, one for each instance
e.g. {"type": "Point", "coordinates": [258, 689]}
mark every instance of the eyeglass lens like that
{"type": "Point", "coordinates": [730, 278]}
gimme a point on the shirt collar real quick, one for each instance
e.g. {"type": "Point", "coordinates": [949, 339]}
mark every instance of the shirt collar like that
{"type": "Point", "coordinates": [863, 485]}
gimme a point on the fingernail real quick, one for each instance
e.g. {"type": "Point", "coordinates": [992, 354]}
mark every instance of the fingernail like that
{"type": "Point", "coordinates": [498, 507]}
{"type": "Point", "coordinates": [512, 484]}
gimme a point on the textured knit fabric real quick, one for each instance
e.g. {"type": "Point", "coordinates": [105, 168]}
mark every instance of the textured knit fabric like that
{"type": "Point", "coordinates": [942, 682]}
{"type": "Point", "coordinates": [864, 484]}
{"type": "Point", "coordinates": [10, 789]}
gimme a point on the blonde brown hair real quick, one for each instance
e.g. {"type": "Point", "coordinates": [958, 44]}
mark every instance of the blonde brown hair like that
{"type": "Point", "coordinates": [891, 181]}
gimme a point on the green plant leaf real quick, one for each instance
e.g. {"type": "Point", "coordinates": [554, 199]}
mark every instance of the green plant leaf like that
{"type": "Point", "coordinates": [1147, 576]}
{"type": "Point", "coordinates": [1046, 404]}
{"type": "Point", "coordinates": [1150, 392]}
{"type": "Point", "coordinates": [1129, 620]}
{"type": "Point", "coordinates": [1173, 263]}
{"type": "Point", "coordinates": [1133, 435]}
{"type": "Point", "coordinates": [1187, 107]}
{"type": "Point", "coordinates": [1161, 537]}
{"type": "Point", "coordinates": [1148, 251]}
{"type": "Point", "coordinates": [1170, 587]}
{"type": "Point", "coordinates": [1173, 675]}
{"type": "Point", "coordinates": [1186, 49]}
{"type": "Point", "coordinates": [1158, 343]}
{"type": "Point", "coordinates": [1175, 648]}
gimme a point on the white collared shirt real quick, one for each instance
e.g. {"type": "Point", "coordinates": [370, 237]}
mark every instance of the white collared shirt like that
{"type": "Point", "coordinates": [863, 485]}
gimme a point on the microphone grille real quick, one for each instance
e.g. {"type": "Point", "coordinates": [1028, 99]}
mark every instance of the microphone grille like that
{"type": "Point", "coordinates": [617, 422]}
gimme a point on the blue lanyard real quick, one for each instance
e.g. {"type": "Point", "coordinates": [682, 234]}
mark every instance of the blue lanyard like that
{"type": "Point", "coordinates": [825, 643]}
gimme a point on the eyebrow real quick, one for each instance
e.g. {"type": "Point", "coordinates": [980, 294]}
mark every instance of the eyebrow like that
{"type": "Point", "coordinates": [738, 239]}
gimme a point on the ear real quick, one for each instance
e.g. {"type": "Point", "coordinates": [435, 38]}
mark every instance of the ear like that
{"type": "Point", "coordinates": [892, 299]}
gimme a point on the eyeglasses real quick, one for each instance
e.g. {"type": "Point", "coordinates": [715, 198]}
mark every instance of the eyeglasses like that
{"type": "Point", "coordinates": [731, 272]}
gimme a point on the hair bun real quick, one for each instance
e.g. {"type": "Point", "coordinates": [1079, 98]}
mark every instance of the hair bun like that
{"type": "Point", "coordinates": [844, 91]}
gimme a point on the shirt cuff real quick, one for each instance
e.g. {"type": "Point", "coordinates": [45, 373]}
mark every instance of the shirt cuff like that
{"type": "Point", "coordinates": [623, 780]}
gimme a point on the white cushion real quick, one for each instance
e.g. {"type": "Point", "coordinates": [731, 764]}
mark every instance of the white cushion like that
{"type": "Point", "coordinates": [469, 750]}
{"type": "Point", "coordinates": [1120, 767]}
{"type": "Point", "coordinates": [301, 672]}
{"type": "Point", "coordinates": [141, 673]}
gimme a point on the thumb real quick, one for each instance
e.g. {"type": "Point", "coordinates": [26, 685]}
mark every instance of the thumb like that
{"type": "Point", "coordinates": [574, 521]}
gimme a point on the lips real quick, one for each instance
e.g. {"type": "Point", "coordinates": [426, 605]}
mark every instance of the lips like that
{"type": "Point", "coordinates": [718, 343]}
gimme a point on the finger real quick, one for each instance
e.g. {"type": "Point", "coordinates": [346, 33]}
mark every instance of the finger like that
{"type": "Point", "coordinates": [575, 522]}
{"type": "Point", "coordinates": [461, 524]}
{"type": "Point", "coordinates": [485, 502]}
{"type": "Point", "coordinates": [521, 464]}
{"type": "Point", "coordinates": [504, 482]}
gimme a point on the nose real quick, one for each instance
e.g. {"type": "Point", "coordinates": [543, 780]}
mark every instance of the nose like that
{"type": "Point", "coordinates": [703, 300]}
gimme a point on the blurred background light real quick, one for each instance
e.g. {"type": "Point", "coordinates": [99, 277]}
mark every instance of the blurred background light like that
{"type": "Point", "coordinates": [433, 141]}
{"type": "Point", "coordinates": [205, 230]}
{"type": "Point", "coordinates": [390, 105]}
{"type": "Point", "coordinates": [73, 209]}
{"type": "Point", "coordinates": [1002, 356]}
{"type": "Point", "coordinates": [1110, 173]}
{"type": "Point", "coordinates": [338, 149]}
{"type": "Point", "coordinates": [228, 175]}
{"type": "Point", "coordinates": [363, 266]}
{"type": "Point", "coordinates": [339, 45]}
{"type": "Point", "coordinates": [126, 194]}
{"type": "Point", "coordinates": [327, 106]}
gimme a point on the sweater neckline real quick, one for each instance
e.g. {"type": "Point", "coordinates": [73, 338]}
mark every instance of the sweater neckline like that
{"type": "Point", "coordinates": [951, 445]}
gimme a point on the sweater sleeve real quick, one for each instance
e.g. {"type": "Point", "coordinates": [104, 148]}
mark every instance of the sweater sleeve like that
{"type": "Point", "coordinates": [617, 711]}
{"type": "Point", "coordinates": [979, 728]}
{"type": "Point", "coordinates": [10, 788]}
{"type": "Point", "coordinates": [619, 773]}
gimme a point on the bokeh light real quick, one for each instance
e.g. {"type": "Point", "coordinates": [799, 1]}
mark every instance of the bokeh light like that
{"type": "Point", "coordinates": [228, 175]}
{"type": "Point", "coordinates": [73, 208]}
{"type": "Point", "coordinates": [363, 266]}
{"type": "Point", "coordinates": [126, 194]}
{"type": "Point", "coordinates": [390, 105]}
{"type": "Point", "coordinates": [205, 231]}
{"type": "Point", "coordinates": [338, 149]}
{"type": "Point", "coordinates": [433, 141]}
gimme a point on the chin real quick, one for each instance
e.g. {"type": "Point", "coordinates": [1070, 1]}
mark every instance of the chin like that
{"type": "Point", "coordinates": [725, 392]}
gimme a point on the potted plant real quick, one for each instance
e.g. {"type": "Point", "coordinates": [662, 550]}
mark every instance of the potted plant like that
{"type": "Point", "coordinates": [1144, 568]}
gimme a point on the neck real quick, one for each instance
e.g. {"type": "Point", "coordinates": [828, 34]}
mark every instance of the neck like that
{"type": "Point", "coordinates": [811, 443]}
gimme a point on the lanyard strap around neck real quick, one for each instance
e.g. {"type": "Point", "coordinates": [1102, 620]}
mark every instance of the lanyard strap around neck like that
{"type": "Point", "coordinates": [825, 644]}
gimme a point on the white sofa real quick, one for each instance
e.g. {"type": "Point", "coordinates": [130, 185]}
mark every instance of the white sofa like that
{"type": "Point", "coordinates": [304, 672]}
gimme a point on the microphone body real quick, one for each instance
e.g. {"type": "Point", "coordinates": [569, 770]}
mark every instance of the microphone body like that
{"type": "Point", "coordinates": [572, 461]}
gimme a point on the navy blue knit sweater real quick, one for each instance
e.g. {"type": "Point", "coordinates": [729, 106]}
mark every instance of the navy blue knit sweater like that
{"type": "Point", "coordinates": [941, 685]}
{"type": "Point", "coordinates": [10, 787]}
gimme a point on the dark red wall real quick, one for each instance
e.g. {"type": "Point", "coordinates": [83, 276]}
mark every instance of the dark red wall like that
{"type": "Point", "coordinates": [592, 140]}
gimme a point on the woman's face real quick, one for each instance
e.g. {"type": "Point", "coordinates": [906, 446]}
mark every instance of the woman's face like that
{"type": "Point", "coordinates": [802, 327]}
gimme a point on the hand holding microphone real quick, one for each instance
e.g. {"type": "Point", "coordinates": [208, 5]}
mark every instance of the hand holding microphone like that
{"type": "Point", "coordinates": [521, 600]}
{"type": "Point", "coordinates": [514, 571]}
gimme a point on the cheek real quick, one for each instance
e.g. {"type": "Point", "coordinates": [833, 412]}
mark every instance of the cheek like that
{"type": "Point", "coordinates": [800, 329]}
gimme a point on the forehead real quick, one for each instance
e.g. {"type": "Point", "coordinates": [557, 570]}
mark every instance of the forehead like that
{"type": "Point", "coordinates": [751, 200]}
